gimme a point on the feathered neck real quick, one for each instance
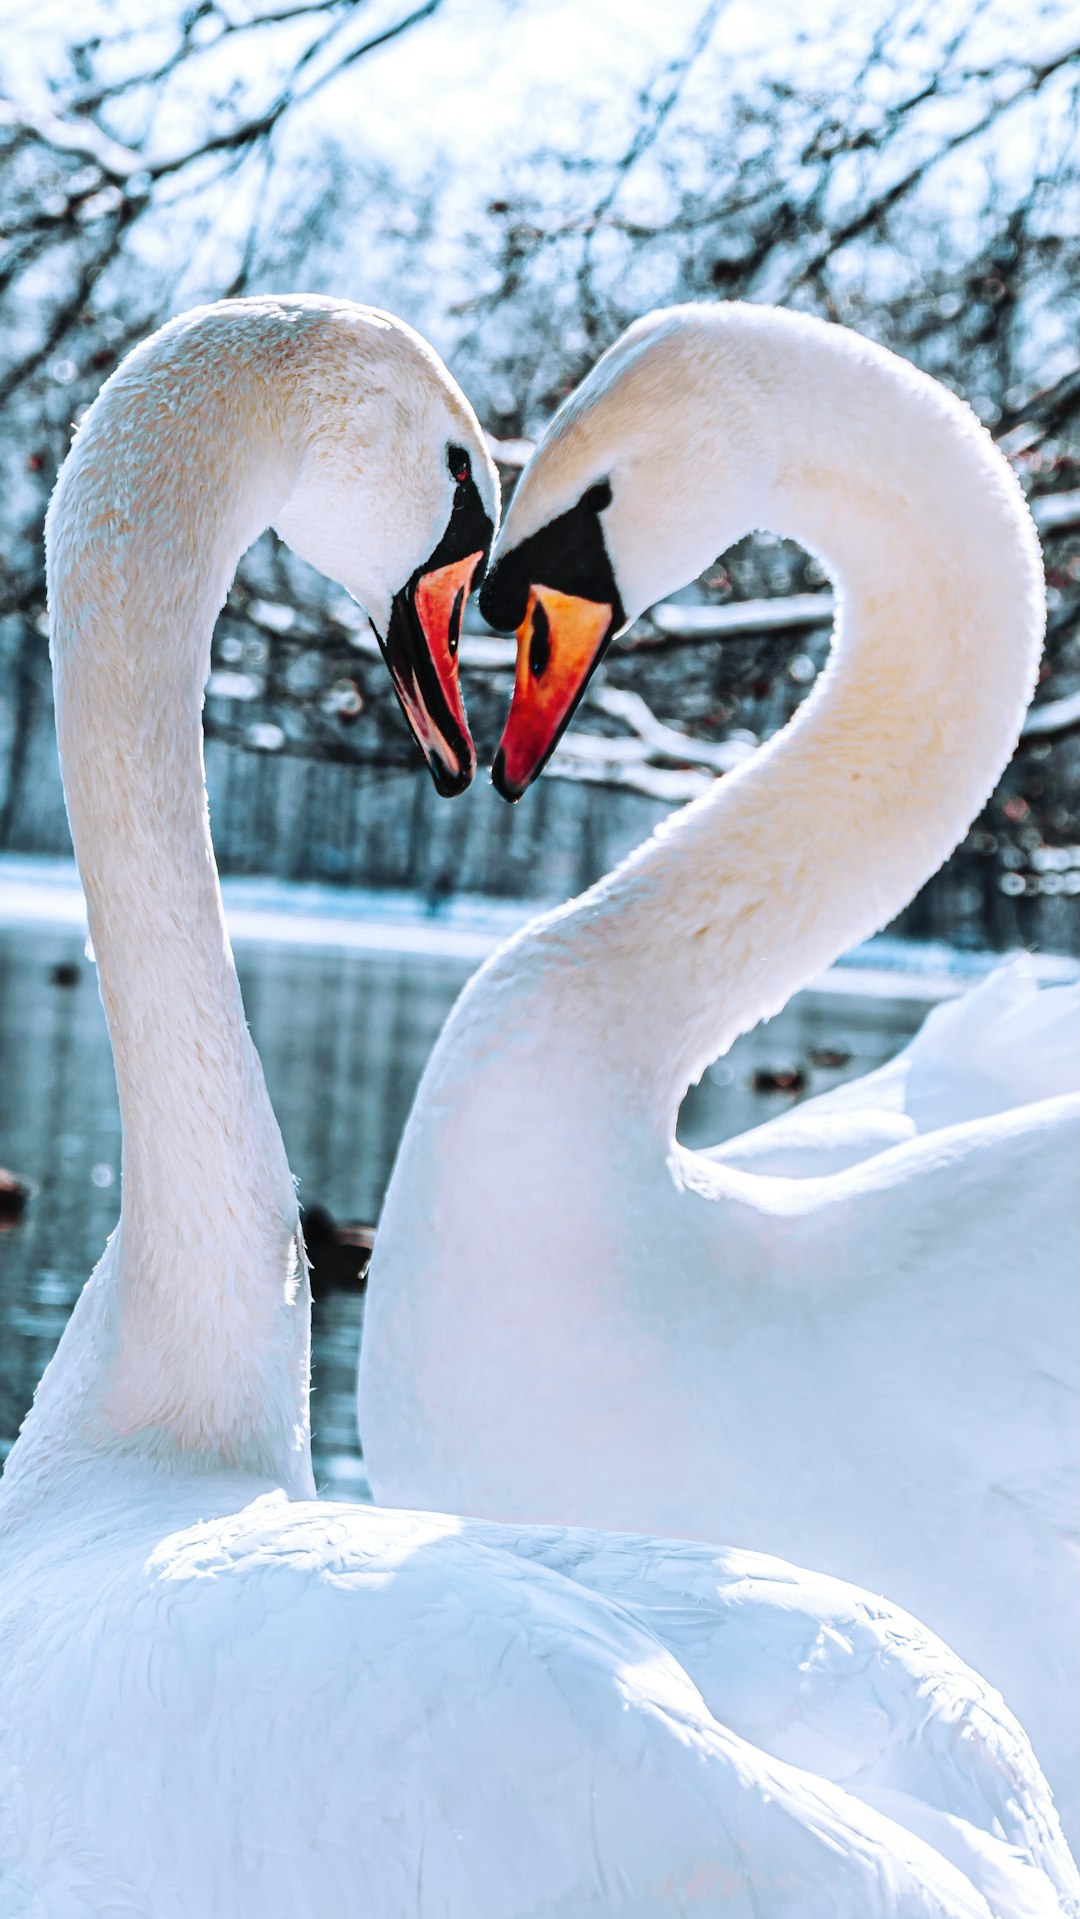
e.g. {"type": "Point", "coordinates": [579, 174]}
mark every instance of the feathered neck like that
{"type": "Point", "coordinates": [190, 1343]}
{"type": "Point", "coordinates": [812, 432]}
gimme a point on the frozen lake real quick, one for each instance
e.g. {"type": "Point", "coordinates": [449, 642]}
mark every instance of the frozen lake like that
{"type": "Point", "coordinates": [345, 994]}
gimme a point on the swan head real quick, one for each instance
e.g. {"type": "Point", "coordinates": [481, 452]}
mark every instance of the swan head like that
{"type": "Point", "coordinates": [423, 630]}
{"type": "Point", "coordinates": [601, 525]}
{"type": "Point", "coordinates": [557, 588]}
{"type": "Point", "coordinates": [395, 497]}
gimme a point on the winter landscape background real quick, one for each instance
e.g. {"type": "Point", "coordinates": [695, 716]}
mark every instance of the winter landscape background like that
{"type": "Point", "coordinates": [519, 178]}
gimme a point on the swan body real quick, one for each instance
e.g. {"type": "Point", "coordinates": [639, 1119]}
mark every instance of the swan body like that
{"type": "Point", "coordinates": [217, 1696]}
{"type": "Point", "coordinates": [226, 1701]}
{"type": "Point", "coordinates": [872, 1369]}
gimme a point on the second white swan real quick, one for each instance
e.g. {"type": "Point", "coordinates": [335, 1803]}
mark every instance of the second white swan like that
{"type": "Point", "coordinates": [875, 1371]}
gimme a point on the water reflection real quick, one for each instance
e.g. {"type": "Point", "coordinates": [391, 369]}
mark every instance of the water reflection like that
{"type": "Point", "coordinates": [343, 1037]}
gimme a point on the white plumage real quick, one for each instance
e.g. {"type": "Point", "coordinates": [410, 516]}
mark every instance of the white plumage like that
{"type": "Point", "coordinates": [220, 1698]}
{"type": "Point", "coordinates": [570, 1316]}
{"type": "Point", "coordinates": [219, 1701]}
{"type": "Point", "coordinates": [999, 1045]}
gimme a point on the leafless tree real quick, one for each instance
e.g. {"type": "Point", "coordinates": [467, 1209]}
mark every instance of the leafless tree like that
{"type": "Point", "coordinates": [104, 212]}
{"type": "Point", "coordinates": [926, 195]}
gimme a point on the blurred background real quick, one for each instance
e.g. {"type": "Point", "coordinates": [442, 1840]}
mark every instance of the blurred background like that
{"type": "Point", "coordinates": [518, 179]}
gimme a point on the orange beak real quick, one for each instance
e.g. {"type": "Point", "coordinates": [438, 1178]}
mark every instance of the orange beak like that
{"type": "Point", "coordinates": [421, 651]}
{"type": "Point", "coordinates": [559, 643]}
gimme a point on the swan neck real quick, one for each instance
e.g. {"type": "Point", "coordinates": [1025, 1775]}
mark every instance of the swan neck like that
{"type": "Point", "coordinates": [191, 1340]}
{"type": "Point", "coordinates": [822, 837]}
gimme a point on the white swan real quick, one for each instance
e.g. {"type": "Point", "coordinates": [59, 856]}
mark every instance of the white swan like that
{"type": "Point", "coordinates": [569, 1316]}
{"type": "Point", "coordinates": [218, 1697]}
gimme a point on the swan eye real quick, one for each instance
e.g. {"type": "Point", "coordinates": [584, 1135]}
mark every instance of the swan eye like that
{"type": "Point", "coordinates": [540, 642]}
{"type": "Point", "coordinates": [460, 465]}
{"type": "Point", "coordinates": [598, 496]}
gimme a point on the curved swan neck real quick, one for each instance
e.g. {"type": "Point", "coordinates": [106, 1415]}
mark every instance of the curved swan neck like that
{"type": "Point", "coordinates": [191, 1341]}
{"type": "Point", "coordinates": [824, 836]}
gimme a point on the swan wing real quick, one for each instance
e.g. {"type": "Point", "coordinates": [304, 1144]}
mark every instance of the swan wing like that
{"type": "Point", "coordinates": [1007, 1042]}
{"type": "Point", "coordinates": [898, 1382]}
{"type": "Point", "coordinates": [296, 1710]}
{"type": "Point", "coordinates": [836, 1680]}
{"type": "Point", "coordinates": [810, 1142]}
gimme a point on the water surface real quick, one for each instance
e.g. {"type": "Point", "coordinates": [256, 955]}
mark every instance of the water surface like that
{"type": "Point", "coordinates": [344, 1028]}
